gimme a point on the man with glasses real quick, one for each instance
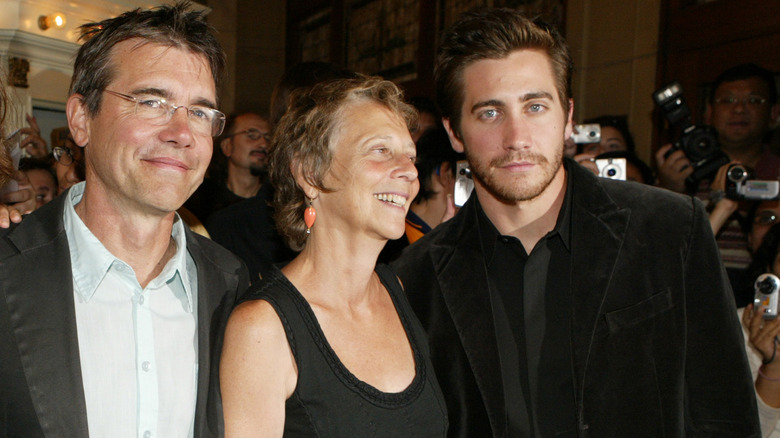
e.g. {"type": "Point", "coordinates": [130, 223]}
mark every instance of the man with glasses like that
{"type": "Point", "coordinates": [108, 303]}
{"type": "Point", "coordinates": [742, 107]}
{"type": "Point", "coordinates": [240, 170]}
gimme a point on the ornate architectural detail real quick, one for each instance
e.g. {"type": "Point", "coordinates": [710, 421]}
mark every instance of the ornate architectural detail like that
{"type": "Point", "coordinates": [17, 72]}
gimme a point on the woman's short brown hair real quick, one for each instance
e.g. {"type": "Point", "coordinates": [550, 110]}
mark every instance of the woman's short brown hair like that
{"type": "Point", "coordinates": [304, 137]}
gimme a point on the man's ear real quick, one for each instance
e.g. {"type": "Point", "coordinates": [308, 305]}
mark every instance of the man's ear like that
{"type": "Point", "coordinates": [78, 119]}
{"type": "Point", "coordinates": [227, 146]}
{"type": "Point", "coordinates": [569, 121]}
{"type": "Point", "coordinates": [775, 114]}
{"type": "Point", "coordinates": [446, 176]}
{"type": "Point", "coordinates": [457, 145]}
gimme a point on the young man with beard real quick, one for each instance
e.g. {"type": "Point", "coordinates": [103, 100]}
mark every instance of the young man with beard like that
{"type": "Point", "coordinates": [241, 170]}
{"type": "Point", "coordinates": [558, 303]}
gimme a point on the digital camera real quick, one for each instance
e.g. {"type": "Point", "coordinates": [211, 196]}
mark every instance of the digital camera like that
{"type": "Point", "coordinates": [583, 134]}
{"type": "Point", "coordinates": [740, 184]}
{"type": "Point", "coordinates": [765, 299]}
{"type": "Point", "coordinates": [612, 168]}
{"type": "Point", "coordinates": [464, 184]}
{"type": "Point", "coordinates": [699, 143]}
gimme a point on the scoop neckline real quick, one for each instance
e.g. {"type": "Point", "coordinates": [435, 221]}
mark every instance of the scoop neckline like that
{"type": "Point", "coordinates": [368, 391]}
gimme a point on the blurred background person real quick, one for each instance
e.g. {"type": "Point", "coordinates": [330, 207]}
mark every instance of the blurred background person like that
{"type": "Point", "coordinates": [238, 168]}
{"type": "Point", "coordinates": [764, 216]}
{"type": "Point", "coordinates": [615, 136]}
{"type": "Point", "coordinates": [70, 167]}
{"type": "Point", "coordinates": [17, 196]}
{"type": "Point", "coordinates": [33, 144]}
{"type": "Point", "coordinates": [761, 338]}
{"type": "Point", "coordinates": [329, 345]}
{"type": "Point", "coordinates": [427, 116]}
{"type": "Point", "coordinates": [42, 178]}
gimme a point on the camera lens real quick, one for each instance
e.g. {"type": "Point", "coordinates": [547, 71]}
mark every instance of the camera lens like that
{"type": "Point", "coordinates": [736, 173]}
{"type": "Point", "coordinates": [766, 286]}
{"type": "Point", "coordinates": [611, 172]}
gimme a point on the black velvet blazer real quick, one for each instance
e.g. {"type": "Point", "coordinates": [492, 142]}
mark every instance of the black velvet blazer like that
{"type": "Point", "coordinates": [656, 345]}
{"type": "Point", "coordinates": [41, 391]}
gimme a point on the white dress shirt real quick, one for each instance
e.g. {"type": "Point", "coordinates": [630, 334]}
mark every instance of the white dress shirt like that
{"type": "Point", "coordinates": [138, 346]}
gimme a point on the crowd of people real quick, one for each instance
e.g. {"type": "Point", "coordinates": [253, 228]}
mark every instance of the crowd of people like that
{"type": "Point", "coordinates": [305, 271]}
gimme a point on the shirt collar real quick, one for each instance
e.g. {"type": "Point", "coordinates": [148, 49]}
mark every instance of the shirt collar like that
{"type": "Point", "coordinates": [91, 261]}
{"type": "Point", "coordinates": [490, 234]}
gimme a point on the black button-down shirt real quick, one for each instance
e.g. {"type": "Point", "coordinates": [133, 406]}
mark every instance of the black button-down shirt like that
{"type": "Point", "coordinates": [530, 298]}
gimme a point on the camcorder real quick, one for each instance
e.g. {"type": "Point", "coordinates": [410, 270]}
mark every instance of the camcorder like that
{"type": "Point", "coordinates": [584, 134]}
{"type": "Point", "coordinates": [742, 185]}
{"type": "Point", "coordinates": [464, 184]}
{"type": "Point", "coordinates": [699, 143]}
{"type": "Point", "coordinates": [612, 168]}
{"type": "Point", "coordinates": [765, 299]}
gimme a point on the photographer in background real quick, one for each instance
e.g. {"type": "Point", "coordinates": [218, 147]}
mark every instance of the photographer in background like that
{"type": "Point", "coordinates": [741, 106]}
{"type": "Point", "coordinates": [761, 339]}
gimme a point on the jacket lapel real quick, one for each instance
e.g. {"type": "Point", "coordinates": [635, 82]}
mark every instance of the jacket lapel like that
{"type": "Point", "coordinates": [217, 289]}
{"type": "Point", "coordinates": [598, 232]}
{"type": "Point", "coordinates": [464, 285]}
{"type": "Point", "coordinates": [43, 320]}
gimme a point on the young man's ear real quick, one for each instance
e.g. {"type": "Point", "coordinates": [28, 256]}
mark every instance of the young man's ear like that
{"type": "Point", "coordinates": [78, 119]}
{"type": "Point", "coordinates": [457, 145]}
{"type": "Point", "coordinates": [569, 120]}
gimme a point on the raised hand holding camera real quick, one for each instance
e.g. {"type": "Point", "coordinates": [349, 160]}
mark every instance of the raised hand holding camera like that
{"type": "Point", "coordinates": [699, 143]}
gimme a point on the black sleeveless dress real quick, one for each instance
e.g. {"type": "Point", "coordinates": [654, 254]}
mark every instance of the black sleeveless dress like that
{"type": "Point", "coordinates": [329, 401]}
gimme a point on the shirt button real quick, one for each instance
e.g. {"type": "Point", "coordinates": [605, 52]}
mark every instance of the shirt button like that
{"type": "Point", "coordinates": [148, 434]}
{"type": "Point", "coordinates": [146, 366]}
{"type": "Point", "coordinates": [141, 300]}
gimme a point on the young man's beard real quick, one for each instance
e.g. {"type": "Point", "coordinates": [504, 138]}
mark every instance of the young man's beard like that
{"type": "Point", "coordinates": [522, 187]}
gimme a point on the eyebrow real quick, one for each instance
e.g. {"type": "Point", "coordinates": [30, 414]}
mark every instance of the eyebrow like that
{"type": "Point", "coordinates": [202, 101]}
{"type": "Point", "coordinates": [524, 98]}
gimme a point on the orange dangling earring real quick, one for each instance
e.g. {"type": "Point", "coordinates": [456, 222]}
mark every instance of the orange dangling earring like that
{"type": "Point", "coordinates": [309, 216]}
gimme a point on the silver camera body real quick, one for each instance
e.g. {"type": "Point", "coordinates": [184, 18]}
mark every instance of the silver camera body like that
{"type": "Point", "coordinates": [612, 168]}
{"type": "Point", "coordinates": [741, 185]}
{"type": "Point", "coordinates": [765, 299]}
{"type": "Point", "coordinates": [464, 184]}
{"type": "Point", "coordinates": [589, 133]}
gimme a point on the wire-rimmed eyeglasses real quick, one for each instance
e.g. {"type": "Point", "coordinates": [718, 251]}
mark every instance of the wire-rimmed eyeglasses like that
{"type": "Point", "coordinates": [203, 120]}
{"type": "Point", "coordinates": [766, 217]}
{"type": "Point", "coordinates": [747, 101]}
{"type": "Point", "coordinates": [253, 134]}
{"type": "Point", "coordinates": [62, 155]}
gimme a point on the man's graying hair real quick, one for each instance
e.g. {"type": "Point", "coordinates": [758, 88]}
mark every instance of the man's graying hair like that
{"type": "Point", "coordinates": [175, 26]}
{"type": "Point", "coordinates": [494, 33]}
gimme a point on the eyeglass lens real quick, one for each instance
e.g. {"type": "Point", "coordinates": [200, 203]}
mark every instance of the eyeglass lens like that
{"type": "Point", "coordinates": [750, 100]}
{"type": "Point", "coordinates": [204, 120]}
{"type": "Point", "coordinates": [62, 155]}
{"type": "Point", "coordinates": [766, 218]}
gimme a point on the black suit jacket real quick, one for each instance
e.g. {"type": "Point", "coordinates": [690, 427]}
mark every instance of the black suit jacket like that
{"type": "Point", "coordinates": [656, 345]}
{"type": "Point", "coordinates": [41, 391]}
